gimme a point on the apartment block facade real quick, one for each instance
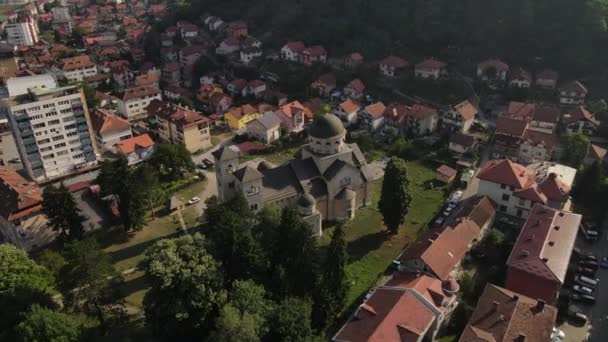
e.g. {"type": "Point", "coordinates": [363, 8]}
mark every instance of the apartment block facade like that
{"type": "Point", "coordinates": [22, 32]}
{"type": "Point", "coordinates": [52, 129]}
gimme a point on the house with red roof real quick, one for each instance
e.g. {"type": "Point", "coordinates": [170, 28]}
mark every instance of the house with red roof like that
{"type": "Point", "coordinates": [392, 65]}
{"type": "Point", "coordinates": [255, 88]}
{"type": "Point", "coordinates": [313, 54]}
{"type": "Point", "coordinates": [348, 111]}
{"type": "Point", "coordinates": [430, 69]}
{"type": "Point", "coordinates": [573, 93]}
{"type": "Point", "coordinates": [539, 259]}
{"type": "Point", "coordinates": [355, 89]}
{"type": "Point", "coordinates": [136, 149]}
{"type": "Point", "coordinates": [353, 60]}
{"type": "Point", "coordinates": [421, 120]}
{"type": "Point", "coordinates": [293, 116]}
{"type": "Point", "coordinates": [228, 46]}
{"type": "Point", "coordinates": [237, 29]}
{"type": "Point", "coordinates": [520, 78]}
{"type": "Point", "coordinates": [504, 315]}
{"type": "Point", "coordinates": [372, 116]}
{"type": "Point", "coordinates": [292, 51]}
{"type": "Point", "coordinates": [109, 128]}
{"type": "Point", "coordinates": [410, 307]}
{"type": "Point", "coordinates": [580, 120]}
{"type": "Point", "coordinates": [545, 118]}
{"type": "Point", "coordinates": [492, 70]}
{"type": "Point", "coordinates": [596, 153]}
{"type": "Point", "coordinates": [439, 251]}
{"type": "Point", "coordinates": [516, 188]}
{"type": "Point", "coordinates": [460, 117]}
{"type": "Point", "coordinates": [324, 84]}
{"type": "Point", "coordinates": [179, 125]}
{"type": "Point", "coordinates": [547, 79]}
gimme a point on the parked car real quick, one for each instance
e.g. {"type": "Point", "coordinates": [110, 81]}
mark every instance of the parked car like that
{"type": "Point", "coordinates": [583, 298]}
{"type": "Point", "coordinates": [208, 162]}
{"type": "Point", "coordinates": [582, 289]}
{"type": "Point", "coordinates": [202, 166]}
{"type": "Point", "coordinates": [579, 318]}
{"type": "Point", "coordinates": [586, 271]}
{"type": "Point", "coordinates": [590, 256]}
{"type": "Point", "coordinates": [578, 252]}
{"type": "Point", "coordinates": [194, 200]}
{"type": "Point", "coordinates": [588, 263]}
{"type": "Point", "coordinates": [604, 262]}
{"type": "Point", "coordinates": [586, 281]}
{"type": "Point", "coordinates": [589, 234]}
{"type": "Point", "coordinates": [557, 335]}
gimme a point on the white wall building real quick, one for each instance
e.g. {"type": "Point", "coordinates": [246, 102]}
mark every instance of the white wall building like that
{"type": "Point", "coordinates": [51, 126]}
{"type": "Point", "coordinates": [134, 101]}
{"type": "Point", "coordinates": [23, 32]}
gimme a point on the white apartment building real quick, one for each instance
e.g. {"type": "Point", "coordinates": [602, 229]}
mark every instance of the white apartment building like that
{"type": "Point", "coordinates": [77, 68]}
{"type": "Point", "coordinates": [133, 102]}
{"type": "Point", "coordinates": [22, 32]}
{"type": "Point", "coordinates": [51, 126]}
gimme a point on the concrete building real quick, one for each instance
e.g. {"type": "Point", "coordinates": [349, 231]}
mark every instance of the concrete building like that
{"type": "Point", "coordinates": [460, 117]}
{"type": "Point", "coordinates": [77, 68]}
{"type": "Point", "coordinates": [178, 125]}
{"type": "Point", "coordinates": [329, 180]}
{"type": "Point", "coordinates": [132, 103]}
{"type": "Point", "coordinates": [24, 31]}
{"type": "Point", "coordinates": [109, 129]}
{"type": "Point", "coordinates": [51, 125]}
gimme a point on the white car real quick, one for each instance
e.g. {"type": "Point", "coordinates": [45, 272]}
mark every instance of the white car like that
{"type": "Point", "coordinates": [557, 335]}
{"type": "Point", "coordinates": [194, 200]}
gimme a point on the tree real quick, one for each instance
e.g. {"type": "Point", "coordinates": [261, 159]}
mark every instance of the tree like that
{"type": "Point", "coordinates": [89, 282]}
{"type": "Point", "coordinates": [395, 197]}
{"type": "Point", "coordinates": [590, 189]}
{"type": "Point", "coordinates": [22, 284]}
{"type": "Point", "coordinates": [171, 160]}
{"type": "Point", "coordinates": [53, 261]}
{"type": "Point", "coordinates": [89, 94]}
{"type": "Point", "coordinates": [333, 288]}
{"type": "Point", "coordinates": [290, 321]}
{"type": "Point", "coordinates": [234, 325]}
{"type": "Point", "coordinates": [186, 286]}
{"type": "Point", "coordinates": [62, 212]}
{"type": "Point", "coordinates": [575, 148]}
{"type": "Point", "coordinates": [43, 324]}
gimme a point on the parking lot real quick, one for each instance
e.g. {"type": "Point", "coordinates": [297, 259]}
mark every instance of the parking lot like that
{"type": "Point", "coordinates": [597, 329]}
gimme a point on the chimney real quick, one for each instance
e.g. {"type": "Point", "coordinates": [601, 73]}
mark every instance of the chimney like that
{"type": "Point", "coordinates": [495, 305]}
{"type": "Point", "coordinates": [501, 318]}
{"type": "Point", "coordinates": [540, 305]}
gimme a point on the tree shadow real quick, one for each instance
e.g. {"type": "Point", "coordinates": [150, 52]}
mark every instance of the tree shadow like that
{"type": "Point", "coordinates": [131, 286]}
{"type": "Point", "coordinates": [360, 247]}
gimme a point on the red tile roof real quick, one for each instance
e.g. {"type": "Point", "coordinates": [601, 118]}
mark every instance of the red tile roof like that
{"type": "Point", "coordinates": [547, 74]}
{"type": "Point", "coordinates": [291, 108]}
{"type": "Point", "coordinates": [510, 126]}
{"type": "Point", "coordinates": [16, 193]}
{"type": "Point", "coordinates": [546, 113]}
{"type": "Point", "coordinates": [554, 189]}
{"type": "Point", "coordinates": [503, 315]}
{"type": "Point", "coordinates": [430, 64]}
{"type": "Point", "coordinates": [494, 63]}
{"type": "Point", "coordinates": [466, 109]}
{"type": "Point", "coordinates": [350, 106]}
{"type": "Point", "coordinates": [296, 46]}
{"type": "Point", "coordinates": [316, 50]}
{"type": "Point", "coordinates": [447, 171]}
{"type": "Point", "coordinates": [506, 172]}
{"type": "Point", "coordinates": [77, 62]}
{"type": "Point", "coordinates": [574, 86]}
{"type": "Point", "coordinates": [522, 110]}
{"type": "Point", "coordinates": [133, 144]}
{"type": "Point", "coordinates": [388, 315]}
{"type": "Point", "coordinates": [375, 110]}
{"type": "Point", "coordinates": [394, 62]}
{"type": "Point", "coordinates": [579, 113]}
{"type": "Point", "coordinates": [436, 292]}
{"type": "Point", "coordinates": [104, 121]}
{"type": "Point", "coordinates": [419, 111]}
{"type": "Point", "coordinates": [545, 243]}
{"type": "Point", "coordinates": [139, 92]}
{"type": "Point", "coordinates": [356, 85]}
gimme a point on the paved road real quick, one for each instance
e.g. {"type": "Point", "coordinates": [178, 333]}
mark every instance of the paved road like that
{"type": "Point", "coordinates": [599, 312]}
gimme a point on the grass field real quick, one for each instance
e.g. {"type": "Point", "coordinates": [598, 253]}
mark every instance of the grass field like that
{"type": "Point", "coordinates": [371, 249]}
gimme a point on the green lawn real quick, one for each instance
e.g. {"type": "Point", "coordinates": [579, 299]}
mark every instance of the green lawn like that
{"type": "Point", "coordinates": [276, 157]}
{"type": "Point", "coordinates": [370, 248]}
{"type": "Point", "coordinates": [216, 139]}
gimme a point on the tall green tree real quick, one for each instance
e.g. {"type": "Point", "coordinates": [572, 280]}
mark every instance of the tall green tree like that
{"type": "Point", "coordinates": [186, 287]}
{"type": "Point", "coordinates": [333, 286]}
{"type": "Point", "coordinates": [290, 321]}
{"type": "Point", "coordinates": [395, 197]}
{"type": "Point", "coordinates": [90, 284]}
{"type": "Point", "coordinates": [235, 325]}
{"type": "Point", "coordinates": [590, 189]}
{"type": "Point", "coordinates": [43, 324]}
{"type": "Point", "coordinates": [171, 160]}
{"type": "Point", "coordinates": [23, 283]}
{"type": "Point", "coordinates": [62, 212]}
{"type": "Point", "coordinates": [575, 147]}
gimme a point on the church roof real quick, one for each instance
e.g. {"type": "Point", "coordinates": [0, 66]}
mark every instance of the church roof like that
{"type": "Point", "coordinates": [225, 152]}
{"type": "Point", "coordinates": [326, 126]}
{"type": "Point", "coordinates": [247, 174]}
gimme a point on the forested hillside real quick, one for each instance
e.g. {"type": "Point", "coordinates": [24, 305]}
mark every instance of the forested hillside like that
{"type": "Point", "coordinates": [566, 34]}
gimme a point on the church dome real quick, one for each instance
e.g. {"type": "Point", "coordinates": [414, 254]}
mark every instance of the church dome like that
{"type": "Point", "coordinates": [306, 201]}
{"type": "Point", "coordinates": [264, 165]}
{"type": "Point", "coordinates": [326, 126]}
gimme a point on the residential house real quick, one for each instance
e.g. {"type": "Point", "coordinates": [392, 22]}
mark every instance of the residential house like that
{"type": "Point", "coordinates": [421, 120]}
{"type": "Point", "coordinates": [355, 89]}
{"type": "Point", "coordinates": [504, 315]}
{"type": "Point", "coordinates": [445, 174]}
{"type": "Point", "coordinates": [204, 93]}
{"type": "Point", "coordinates": [219, 102]}
{"type": "Point", "coordinates": [540, 258]}
{"type": "Point", "coordinates": [547, 79]}
{"type": "Point", "coordinates": [189, 31]}
{"type": "Point", "coordinates": [77, 68]}
{"type": "Point", "coordinates": [508, 135]}
{"type": "Point", "coordinates": [313, 54]}
{"type": "Point", "coordinates": [22, 221]}
{"type": "Point", "coordinates": [236, 86]}
{"type": "Point", "coordinates": [324, 84]}
{"type": "Point", "coordinates": [545, 118]}
{"type": "Point", "coordinates": [580, 120]}
{"type": "Point", "coordinates": [109, 129]}
{"type": "Point", "coordinates": [573, 93]}
{"type": "Point", "coordinates": [188, 57]}
{"type": "Point", "coordinates": [293, 116]}
{"type": "Point", "coordinates": [266, 128]}
{"type": "Point", "coordinates": [292, 51]}
{"type": "Point", "coordinates": [178, 125]}
{"type": "Point", "coordinates": [536, 146]}
{"type": "Point", "coordinates": [228, 46]}
{"type": "Point", "coordinates": [395, 115]}
{"type": "Point", "coordinates": [461, 143]}
{"type": "Point", "coordinates": [348, 112]}
{"type": "Point", "coordinates": [149, 79]}
{"type": "Point", "coordinates": [136, 149]}
{"type": "Point", "coordinates": [391, 66]}
{"type": "Point", "coordinates": [520, 110]}
{"type": "Point", "coordinates": [171, 74]}
{"type": "Point", "coordinates": [237, 29]}
{"type": "Point", "coordinates": [516, 188]}
{"type": "Point", "coordinates": [372, 116]}
{"type": "Point", "coordinates": [213, 23]}
{"type": "Point", "coordinates": [132, 102]}
{"type": "Point", "coordinates": [430, 69]}
{"type": "Point", "coordinates": [440, 251]}
{"type": "Point", "coordinates": [353, 60]}
{"type": "Point", "coordinates": [248, 55]}
{"type": "Point", "coordinates": [255, 88]}
{"type": "Point", "coordinates": [275, 97]}
{"type": "Point", "coordinates": [520, 78]}
{"type": "Point", "coordinates": [596, 153]}
{"type": "Point", "coordinates": [459, 117]}
{"type": "Point", "coordinates": [172, 92]}
{"type": "Point", "coordinates": [239, 117]}
{"type": "Point", "coordinates": [410, 307]}
{"type": "Point", "coordinates": [492, 70]}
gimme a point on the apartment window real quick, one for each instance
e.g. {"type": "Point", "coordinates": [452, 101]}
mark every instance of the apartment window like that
{"type": "Point", "coordinates": [71, 134]}
{"type": "Point", "coordinates": [503, 208]}
{"type": "Point", "coordinates": [45, 149]}
{"type": "Point", "coordinates": [57, 138]}
{"type": "Point", "coordinates": [60, 145]}
{"type": "Point", "coordinates": [48, 156]}
{"type": "Point", "coordinates": [23, 120]}
{"type": "Point", "coordinates": [505, 197]}
{"type": "Point", "coordinates": [76, 156]}
{"type": "Point", "coordinates": [54, 122]}
{"type": "Point", "coordinates": [49, 105]}
{"type": "Point", "coordinates": [522, 201]}
{"type": "Point", "coordinates": [72, 126]}
{"type": "Point", "coordinates": [502, 186]}
{"type": "Point", "coordinates": [39, 125]}
{"type": "Point", "coordinates": [61, 153]}
{"type": "Point", "coordinates": [69, 118]}
{"type": "Point", "coordinates": [44, 141]}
